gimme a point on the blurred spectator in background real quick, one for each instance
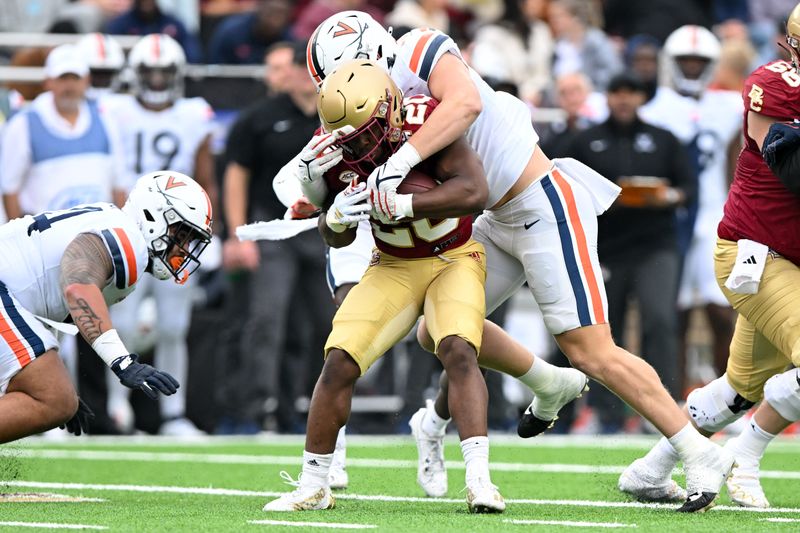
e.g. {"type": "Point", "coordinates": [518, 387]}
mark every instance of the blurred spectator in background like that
{"type": "Point", "coordinates": [146, 17]}
{"type": "Point", "coordinates": [162, 130]}
{"type": "Point", "coordinates": [735, 64]}
{"type": "Point", "coordinates": [187, 11]}
{"type": "Point", "coordinates": [658, 18]}
{"type": "Point", "coordinates": [767, 18]}
{"type": "Point", "coordinates": [420, 14]}
{"type": "Point", "coordinates": [580, 47]}
{"type": "Point", "coordinates": [523, 40]}
{"type": "Point", "coordinates": [318, 10]}
{"type": "Point", "coordinates": [641, 59]}
{"type": "Point", "coordinates": [271, 277]}
{"type": "Point", "coordinates": [583, 108]}
{"type": "Point", "coordinates": [106, 61]}
{"type": "Point", "coordinates": [637, 242]}
{"type": "Point", "coordinates": [708, 123]}
{"type": "Point", "coordinates": [244, 38]}
{"type": "Point", "coordinates": [81, 16]}
{"type": "Point", "coordinates": [60, 152]}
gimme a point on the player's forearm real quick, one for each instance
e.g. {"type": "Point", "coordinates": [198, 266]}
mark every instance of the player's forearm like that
{"type": "Point", "coordinates": [88, 310]}
{"type": "Point", "coordinates": [456, 197]}
{"type": "Point", "coordinates": [447, 122]}
{"type": "Point", "coordinates": [332, 238]}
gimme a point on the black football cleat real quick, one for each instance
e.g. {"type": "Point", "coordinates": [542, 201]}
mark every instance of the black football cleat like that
{"type": "Point", "coordinates": [698, 502]}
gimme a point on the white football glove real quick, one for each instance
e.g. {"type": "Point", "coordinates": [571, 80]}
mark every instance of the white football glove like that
{"type": "Point", "coordinates": [315, 160]}
{"type": "Point", "coordinates": [391, 206]}
{"type": "Point", "coordinates": [349, 208]}
{"type": "Point", "coordinates": [389, 175]}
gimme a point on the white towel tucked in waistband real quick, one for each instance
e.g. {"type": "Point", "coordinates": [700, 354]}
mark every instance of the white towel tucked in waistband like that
{"type": "Point", "coordinates": [751, 258]}
{"type": "Point", "coordinates": [603, 191]}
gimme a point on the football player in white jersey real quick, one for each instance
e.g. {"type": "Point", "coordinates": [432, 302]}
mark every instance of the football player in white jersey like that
{"type": "Point", "coordinates": [73, 264]}
{"type": "Point", "coordinates": [708, 122]}
{"type": "Point", "coordinates": [162, 129]}
{"type": "Point", "coordinates": [540, 226]}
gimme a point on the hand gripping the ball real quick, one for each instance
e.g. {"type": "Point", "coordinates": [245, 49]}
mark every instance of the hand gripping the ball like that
{"type": "Point", "coordinates": [349, 208]}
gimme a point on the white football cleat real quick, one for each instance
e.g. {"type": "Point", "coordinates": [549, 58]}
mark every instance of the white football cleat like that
{"type": "Point", "coordinates": [541, 414]}
{"type": "Point", "coordinates": [337, 475]}
{"type": "Point", "coordinates": [744, 484]}
{"type": "Point", "coordinates": [642, 483]}
{"type": "Point", "coordinates": [302, 498]}
{"type": "Point", "coordinates": [705, 475]}
{"type": "Point", "coordinates": [483, 497]}
{"type": "Point", "coordinates": [431, 473]}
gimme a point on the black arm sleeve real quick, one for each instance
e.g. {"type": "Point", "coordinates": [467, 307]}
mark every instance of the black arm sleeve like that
{"type": "Point", "coordinates": [781, 151]}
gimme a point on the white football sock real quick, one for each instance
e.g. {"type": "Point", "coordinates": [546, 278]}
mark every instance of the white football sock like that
{"type": "Point", "coordinates": [688, 443]}
{"type": "Point", "coordinates": [752, 441]}
{"type": "Point", "coordinates": [476, 458]}
{"type": "Point", "coordinates": [661, 459]}
{"type": "Point", "coordinates": [433, 424]}
{"type": "Point", "coordinates": [315, 469]}
{"type": "Point", "coordinates": [539, 376]}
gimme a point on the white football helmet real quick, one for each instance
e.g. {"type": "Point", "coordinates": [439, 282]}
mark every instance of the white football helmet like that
{"type": "Point", "coordinates": [691, 41]}
{"type": "Point", "coordinates": [106, 60]}
{"type": "Point", "coordinates": [171, 210]}
{"type": "Point", "coordinates": [158, 63]}
{"type": "Point", "coordinates": [345, 36]}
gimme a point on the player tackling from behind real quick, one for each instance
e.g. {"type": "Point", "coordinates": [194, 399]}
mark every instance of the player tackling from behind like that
{"type": "Point", "coordinates": [425, 263]}
{"type": "Point", "coordinates": [759, 239]}
{"type": "Point", "coordinates": [73, 264]}
{"type": "Point", "coordinates": [540, 226]}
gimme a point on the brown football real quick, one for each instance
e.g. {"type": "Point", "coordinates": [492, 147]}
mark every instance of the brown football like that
{"type": "Point", "coordinates": [416, 181]}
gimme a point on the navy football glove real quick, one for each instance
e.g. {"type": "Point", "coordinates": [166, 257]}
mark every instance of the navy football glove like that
{"type": "Point", "coordinates": [79, 423]}
{"type": "Point", "coordinates": [136, 375]}
{"type": "Point", "coordinates": [781, 137]}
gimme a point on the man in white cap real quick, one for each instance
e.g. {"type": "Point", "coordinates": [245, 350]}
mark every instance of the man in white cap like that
{"type": "Point", "coordinates": [60, 152]}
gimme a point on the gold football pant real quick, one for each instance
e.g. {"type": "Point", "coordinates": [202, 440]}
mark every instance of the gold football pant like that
{"type": "Point", "coordinates": [767, 335]}
{"type": "Point", "coordinates": [383, 307]}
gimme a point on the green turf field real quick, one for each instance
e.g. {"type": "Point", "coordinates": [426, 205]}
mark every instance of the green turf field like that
{"type": "Point", "coordinates": [550, 484]}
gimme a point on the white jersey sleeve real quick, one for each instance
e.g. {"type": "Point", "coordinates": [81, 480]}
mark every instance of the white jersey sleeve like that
{"type": "Point", "coordinates": [418, 52]}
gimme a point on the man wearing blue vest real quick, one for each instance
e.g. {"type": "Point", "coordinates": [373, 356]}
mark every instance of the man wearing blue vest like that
{"type": "Point", "coordinates": [60, 151]}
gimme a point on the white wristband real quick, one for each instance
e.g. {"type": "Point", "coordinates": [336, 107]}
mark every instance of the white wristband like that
{"type": "Point", "coordinates": [406, 157]}
{"type": "Point", "coordinates": [109, 346]}
{"type": "Point", "coordinates": [404, 205]}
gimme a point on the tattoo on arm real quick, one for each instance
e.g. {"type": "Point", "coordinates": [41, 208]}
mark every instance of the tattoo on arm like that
{"type": "Point", "coordinates": [86, 319]}
{"type": "Point", "coordinates": [86, 261]}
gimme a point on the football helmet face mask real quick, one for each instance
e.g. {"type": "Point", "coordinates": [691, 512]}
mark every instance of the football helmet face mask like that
{"type": "Point", "coordinates": [793, 35]}
{"type": "Point", "coordinates": [106, 60]}
{"type": "Point", "coordinates": [158, 63]}
{"type": "Point", "coordinates": [694, 42]}
{"type": "Point", "coordinates": [346, 36]}
{"type": "Point", "coordinates": [362, 106]}
{"type": "Point", "coordinates": [173, 213]}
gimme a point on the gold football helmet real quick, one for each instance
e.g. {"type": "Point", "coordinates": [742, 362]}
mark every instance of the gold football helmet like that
{"type": "Point", "coordinates": [793, 34]}
{"type": "Point", "coordinates": [361, 104]}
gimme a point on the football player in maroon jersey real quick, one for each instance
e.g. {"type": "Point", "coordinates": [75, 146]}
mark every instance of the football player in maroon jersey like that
{"type": "Point", "coordinates": [756, 262]}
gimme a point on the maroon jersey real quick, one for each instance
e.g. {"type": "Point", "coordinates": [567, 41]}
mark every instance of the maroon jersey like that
{"type": "Point", "coordinates": [759, 206]}
{"type": "Point", "coordinates": [409, 239]}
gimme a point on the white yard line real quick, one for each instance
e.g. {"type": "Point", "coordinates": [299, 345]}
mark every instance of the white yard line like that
{"type": "Point", "coordinates": [47, 525]}
{"type": "Point", "coordinates": [290, 460]}
{"type": "Point", "coordinates": [569, 523]}
{"type": "Point", "coordinates": [779, 520]}
{"type": "Point", "coordinates": [331, 525]}
{"type": "Point", "coordinates": [208, 491]}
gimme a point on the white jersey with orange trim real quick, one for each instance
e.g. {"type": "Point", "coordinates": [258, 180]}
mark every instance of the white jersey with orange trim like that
{"type": "Point", "coordinates": [161, 140]}
{"type": "Point", "coordinates": [33, 246]}
{"type": "Point", "coordinates": [502, 135]}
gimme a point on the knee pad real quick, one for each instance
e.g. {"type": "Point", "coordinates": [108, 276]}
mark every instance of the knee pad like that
{"type": "Point", "coordinates": [716, 405]}
{"type": "Point", "coordinates": [782, 392]}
